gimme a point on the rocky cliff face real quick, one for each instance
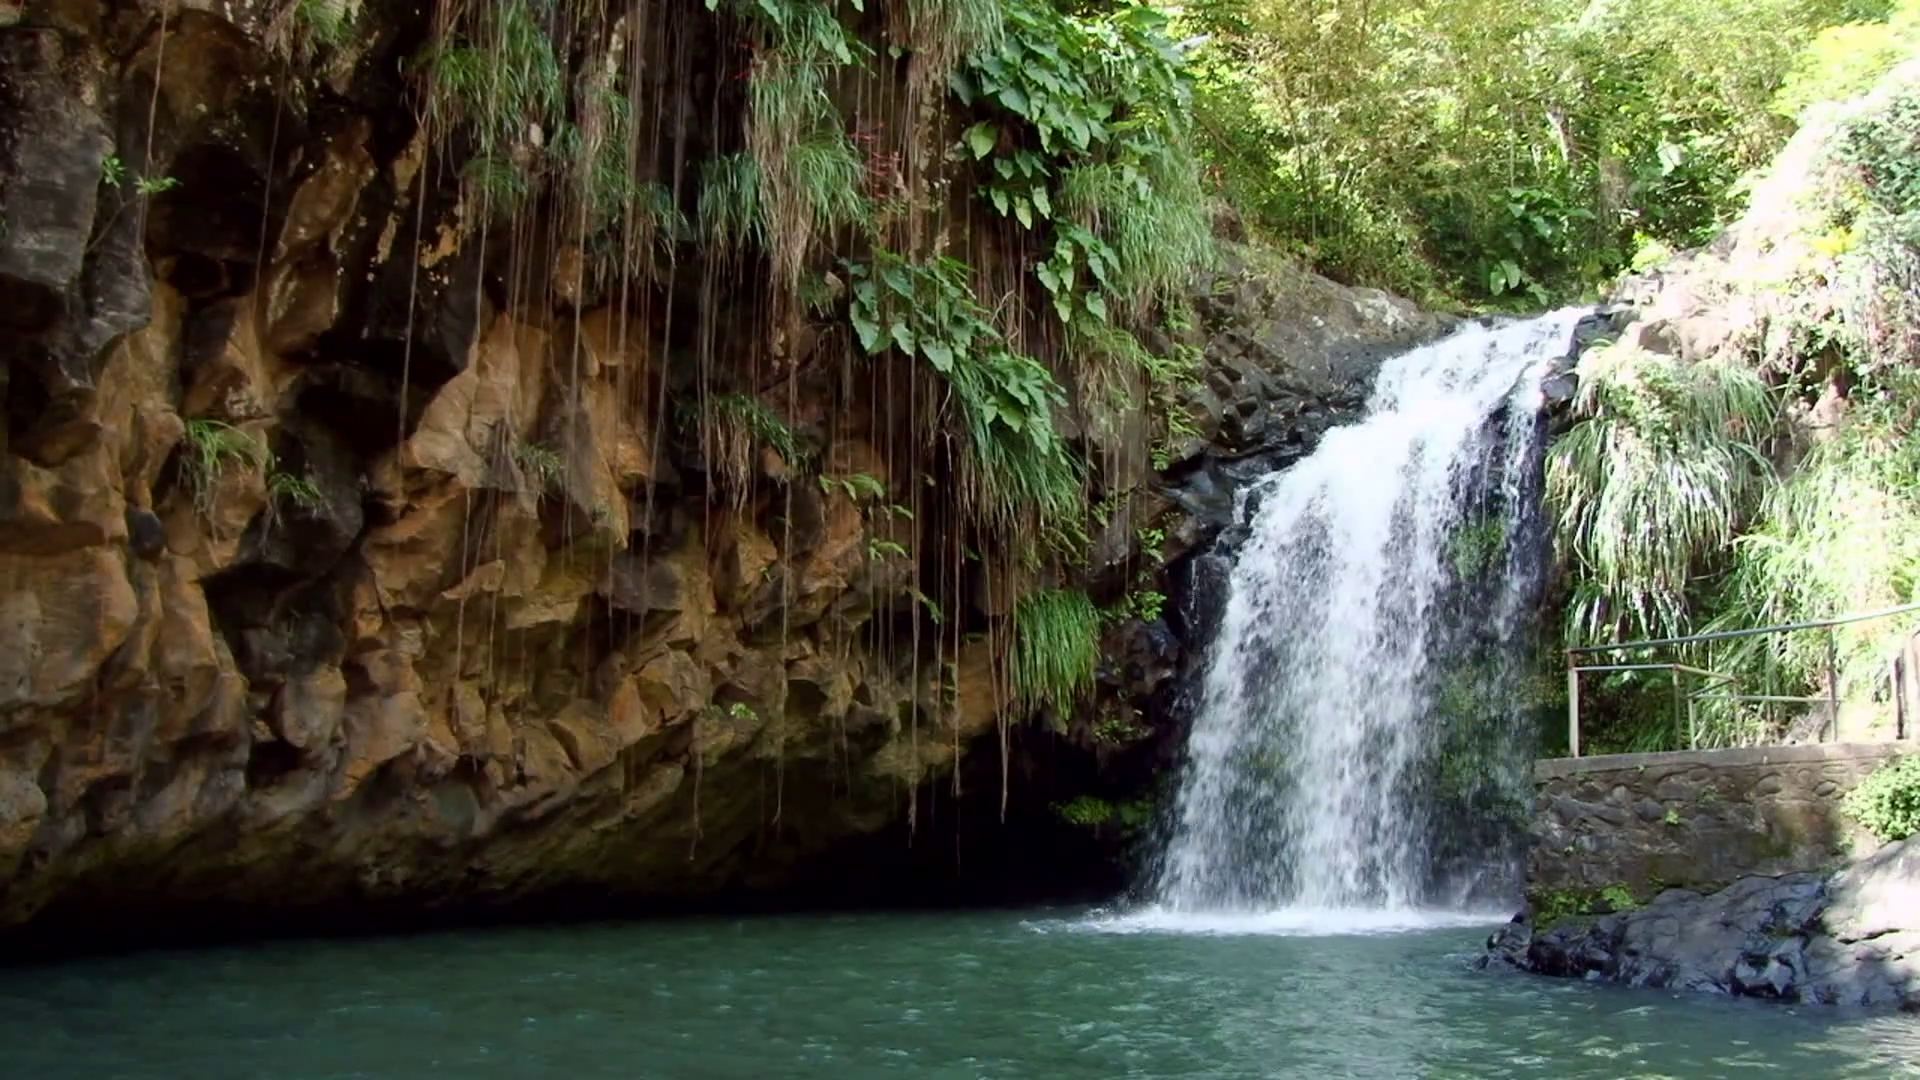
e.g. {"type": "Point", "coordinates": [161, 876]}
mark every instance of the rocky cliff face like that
{"type": "Point", "coordinates": [352, 555]}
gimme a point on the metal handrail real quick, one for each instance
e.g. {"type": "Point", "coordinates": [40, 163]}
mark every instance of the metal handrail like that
{"type": "Point", "coordinates": [1831, 697]}
{"type": "Point", "coordinates": [1723, 635]}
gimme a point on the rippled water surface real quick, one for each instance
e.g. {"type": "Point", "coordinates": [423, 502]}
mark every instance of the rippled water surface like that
{"type": "Point", "coordinates": [973, 995]}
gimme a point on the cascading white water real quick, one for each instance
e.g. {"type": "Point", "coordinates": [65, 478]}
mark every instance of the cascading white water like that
{"type": "Point", "coordinates": [1298, 792]}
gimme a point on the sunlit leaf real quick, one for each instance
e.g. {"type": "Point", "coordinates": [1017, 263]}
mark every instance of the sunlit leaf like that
{"type": "Point", "coordinates": [868, 331]}
{"type": "Point", "coordinates": [938, 354]}
{"type": "Point", "coordinates": [902, 336]}
{"type": "Point", "coordinates": [981, 138]}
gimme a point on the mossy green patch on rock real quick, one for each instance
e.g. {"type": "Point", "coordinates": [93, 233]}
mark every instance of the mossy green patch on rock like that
{"type": "Point", "coordinates": [1553, 906]}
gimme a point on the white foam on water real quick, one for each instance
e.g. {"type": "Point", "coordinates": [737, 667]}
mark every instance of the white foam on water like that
{"type": "Point", "coordinates": [1287, 922]}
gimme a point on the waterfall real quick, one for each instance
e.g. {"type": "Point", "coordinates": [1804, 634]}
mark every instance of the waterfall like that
{"type": "Point", "coordinates": [1310, 784]}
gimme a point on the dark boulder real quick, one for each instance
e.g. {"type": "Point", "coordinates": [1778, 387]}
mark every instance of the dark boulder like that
{"type": "Point", "coordinates": [1849, 939]}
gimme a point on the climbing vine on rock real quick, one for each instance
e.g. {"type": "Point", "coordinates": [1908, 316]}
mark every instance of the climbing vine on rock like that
{"type": "Point", "coordinates": [1087, 128]}
{"type": "Point", "coordinates": [1015, 466]}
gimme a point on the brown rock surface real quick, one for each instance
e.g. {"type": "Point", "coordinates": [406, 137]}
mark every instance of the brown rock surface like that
{"type": "Point", "coordinates": [341, 561]}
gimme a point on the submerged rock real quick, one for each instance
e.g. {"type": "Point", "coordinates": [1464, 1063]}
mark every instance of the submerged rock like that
{"type": "Point", "coordinates": [1851, 938]}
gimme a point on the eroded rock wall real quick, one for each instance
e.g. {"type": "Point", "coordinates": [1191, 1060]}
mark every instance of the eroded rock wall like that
{"type": "Point", "coordinates": [349, 555]}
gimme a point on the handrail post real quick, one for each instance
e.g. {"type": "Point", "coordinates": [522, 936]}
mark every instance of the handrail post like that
{"type": "Point", "coordinates": [1903, 669]}
{"type": "Point", "coordinates": [1833, 686]}
{"type": "Point", "coordinates": [1897, 692]}
{"type": "Point", "coordinates": [1573, 708]}
{"type": "Point", "coordinates": [1674, 671]}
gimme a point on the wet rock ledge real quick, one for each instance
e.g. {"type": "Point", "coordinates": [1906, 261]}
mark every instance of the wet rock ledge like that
{"type": "Point", "coordinates": [1850, 938]}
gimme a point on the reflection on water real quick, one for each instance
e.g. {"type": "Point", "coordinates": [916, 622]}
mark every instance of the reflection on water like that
{"type": "Point", "coordinates": [976, 995]}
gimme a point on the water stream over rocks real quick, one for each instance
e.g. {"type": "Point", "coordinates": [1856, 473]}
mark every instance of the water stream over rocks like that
{"type": "Point", "coordinates": [1374, 611]}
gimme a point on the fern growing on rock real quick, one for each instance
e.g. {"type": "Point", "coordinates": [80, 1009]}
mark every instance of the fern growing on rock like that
{"type": "Point", "coordinates": [1056, 647]}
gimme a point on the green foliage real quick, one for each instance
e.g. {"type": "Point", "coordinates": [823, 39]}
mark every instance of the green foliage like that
{"type": "Point", "coordinates": [1091, 811]}
{"type": "Point", "coordinates": [1038, 73]}
{"type": "Point", "coordinates": [809, 30]}
{"type": "Point", "coordinates": [1841, 534]}
{"type": "Point", "coordinates": [1087, 126]}
{"type": "Point", "coordinates": [860, 487]}
{"type": "Point", "coordinates": [1056, 646]}
{"type": "Point", "coordinates": [1475, 547]}
{"type": "Point", "coordinates": [495, 182]}
{"type": "Point", "coordinates": [809, 178]}
{"type": "Point", "coordinates": [732, 214]}
{"type": "Point", "coordinates": [1137, 814]}
{"type": "Point", "coordinates": [298, 490]}
{"type": "Point", "coordinates": [1086, 810]}
{"type": "Point", "coordinates": [325, 24]}
{"type": "Point", "coordinates": [761, 423]}
{"type": "Point", "coordinates": [1872, 206]}
{"type": "Point", "coordinates": [1669, 516]}
{"type": "Point", "coordinates": [1651, 484]}
{"type": "Point", "coordinates": [1074, 248]}
{"type": "Point", "coordinates": [1618, 898]}
{"type": "Point", "coordinates": [1492, 151]}
{"type": "Point", "coordinates": [1845, 61]}
{"type": "Point", "coordinates": [1887, 802]}
{"type": "Point", "coordinates": [542, 466]}
{"type": "Point", "coordinates": [1152, 216]}
{"type": "Point", "coordinates": [944, 30]}
{"type": "Point", "coordinates": [496, 74]}
{"type": "Point", "coordinates": [526, 121]}
{"type": "Point", "coordinates": [1118, 727]}
{"type": "Point", "coordinates": [1014, 463]}
{"type": "Point", "coordinates": [210, 449]}
{"type": "Point", "coordinates": [113, 173]}
{"type": "Point", "coordinates": [736, 423]}
{"type": "Point", "coordinates": [593, 151]}
{"type": "Point", "coordinates": [628, 220]}
{"type": "Point", "coordinates": [1145, 605]}
{"type": "Point", "coordinates": [1171, 378]}
{"type": "Point", "coordinates": [1558, 905]}
{"type": "Point", "coordinates": [827, 174]}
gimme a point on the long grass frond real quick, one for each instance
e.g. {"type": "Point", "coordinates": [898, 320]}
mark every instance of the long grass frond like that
{"type": "Point", "coordinates": [1653, 481]}
{"type": "Point", "coordinates": [1056, 648]}
{"type": "Point", "coordinates": [742, 422]}
{"type": "Point", "coordinates": [732, 209]}
{"type": "Point", "coordinates": [1157, 225]}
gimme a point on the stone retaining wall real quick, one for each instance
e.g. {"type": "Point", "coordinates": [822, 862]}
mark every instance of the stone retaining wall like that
{"type": "Point", "coordinates": [1696, 819]}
